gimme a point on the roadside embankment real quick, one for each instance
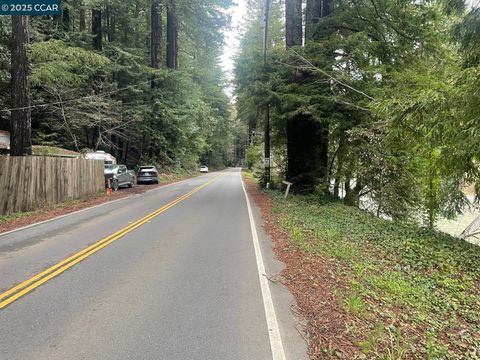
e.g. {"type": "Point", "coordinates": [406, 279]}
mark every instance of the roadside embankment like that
{"type": "Point", "coordinates": [374, 289]}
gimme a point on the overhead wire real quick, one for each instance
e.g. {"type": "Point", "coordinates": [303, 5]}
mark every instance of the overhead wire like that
{"type": "Point", "coordinates": [330, 76]}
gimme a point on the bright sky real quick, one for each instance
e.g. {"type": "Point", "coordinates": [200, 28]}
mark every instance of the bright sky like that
{"type": "Point", "coordinates": [473, 3]}
{"type": "Point", "coordinates": [232, 38]}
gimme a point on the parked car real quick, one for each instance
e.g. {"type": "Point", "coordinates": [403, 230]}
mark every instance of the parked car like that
{"type": "Point", "coordinates": [204, 169]}
{"type": "Point", "coordinates": [118, 175]}
{"type": "Point", "coordinates": [147, 174]}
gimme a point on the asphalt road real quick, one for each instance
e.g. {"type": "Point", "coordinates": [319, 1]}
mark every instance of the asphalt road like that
{"type": "Point", "coordinates": [181, 285]}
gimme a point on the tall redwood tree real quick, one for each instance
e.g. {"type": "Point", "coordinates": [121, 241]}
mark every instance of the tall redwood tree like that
{"type": "Point", "coordinates": [172, 36]}
{"type": "Point", "coordinates": [20, 121]}
{"type": "Point", "coordinates": [156, 35]}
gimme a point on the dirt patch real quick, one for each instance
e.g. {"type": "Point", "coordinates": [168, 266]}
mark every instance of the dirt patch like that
{"type": "Point", "coordinates": [313, 281]}
{"type": "Point", "coordinates": [47, 213]}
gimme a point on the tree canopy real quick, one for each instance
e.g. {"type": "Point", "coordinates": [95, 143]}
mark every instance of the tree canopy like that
{"type": "Point", "coordinates": [138, 79]}
{"type": "Point", "coordinates": [388, 87]}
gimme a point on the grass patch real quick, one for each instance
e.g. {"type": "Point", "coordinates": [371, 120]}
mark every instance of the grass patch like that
{"type": "Point", "coordinates": [176, 175]}
{"type": "Point", "coordinates": [355, 304]}
{"type": "Point", "coordinates": [41, 150]}
{"type": "Point", "coordinates": [417, 291]}
{"type": "Point", "coordinates": [249, 174]}
{"type": "Point", "coordinates": [13, 217]}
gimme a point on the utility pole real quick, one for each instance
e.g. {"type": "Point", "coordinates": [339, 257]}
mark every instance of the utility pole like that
{"type": "Point", "coordinates": [266, 12]}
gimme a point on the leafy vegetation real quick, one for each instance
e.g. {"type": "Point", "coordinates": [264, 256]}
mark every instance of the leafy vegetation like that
{"type": "Point", "coordinates": [106, 76]}
{"type": "Point", "coordinates": [412, 292]}
{"type": "Point", "coordinates": [12, 217]}
{"type": "Point", "coordinates": [378, 98]}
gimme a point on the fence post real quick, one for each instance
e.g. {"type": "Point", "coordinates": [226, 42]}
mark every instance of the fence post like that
{"type": "Point", "coordinates": [288, 188]}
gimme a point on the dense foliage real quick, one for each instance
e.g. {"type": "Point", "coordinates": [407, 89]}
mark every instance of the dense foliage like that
{"type": "Point", "coordinates": [394, 84]}
{"type": "Point", "coordinates": [106, 84]}
{"type": "Point", "coordinates": [406, 292]}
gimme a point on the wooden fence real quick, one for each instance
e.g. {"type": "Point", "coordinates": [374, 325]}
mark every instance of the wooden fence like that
{"type": "Point", "coordinates": [30, 182]}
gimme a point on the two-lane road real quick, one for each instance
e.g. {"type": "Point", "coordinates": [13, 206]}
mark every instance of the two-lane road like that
{"type": "Point", "coordinates": [179, 281]}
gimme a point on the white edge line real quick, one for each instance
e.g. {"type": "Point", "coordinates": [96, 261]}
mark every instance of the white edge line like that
{"type": "Point", "coordinates": [91, 207]}
{"type": "Point", "coordinates": [276, 344]}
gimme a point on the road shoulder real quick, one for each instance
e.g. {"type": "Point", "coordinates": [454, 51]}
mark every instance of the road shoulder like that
{"type": "Point", "coordinates": [290, 323]}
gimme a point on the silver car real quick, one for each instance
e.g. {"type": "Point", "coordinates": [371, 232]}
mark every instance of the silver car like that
{"type": "Point", "coordinates": [118, 175]}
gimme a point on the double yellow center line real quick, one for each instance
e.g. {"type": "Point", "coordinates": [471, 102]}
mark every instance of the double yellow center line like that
{"type": "Point", "coordinates": [29, 285]}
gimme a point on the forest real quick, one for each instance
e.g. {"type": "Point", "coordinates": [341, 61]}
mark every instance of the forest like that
{"type": "Point", "coordinates": [139, 79]}
{"type": "Point", "coordinates": [351, 102]}
{"type": "Point", "coordinates": [357, 98]}
{"type": "Point", "coordinates": [350, 98]}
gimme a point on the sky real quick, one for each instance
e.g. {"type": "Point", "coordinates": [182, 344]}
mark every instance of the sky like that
{"type": "Point", "coordinates": [232, 39]}
{"type": "Point", "coordinates": [474, 4]}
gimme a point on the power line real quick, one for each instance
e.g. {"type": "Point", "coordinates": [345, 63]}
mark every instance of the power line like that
{"type": "Point", "coordinates": [353, 105]}
{"type": "Point", "coordinates": [77, 99]}
{"type": "Point", "coordinates": [330, 76]}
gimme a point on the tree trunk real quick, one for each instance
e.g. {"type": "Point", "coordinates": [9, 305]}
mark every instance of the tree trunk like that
{"type": "Point", "coordinates": [97, 29]}
{"type": "Point", "coordinates": [266, 132]}
{"type": "Point", "coordinates": [322, 10]}
{"type": "Point", "coordinates": [352, 196]}
{"type": "Point", "coordinates": [431, 201]}
{"type": "Point", "coordinates": [97, 45]}
{"type": "Point", "coordinates": [113, 27]}
{"type": "Point", "coordinates": [113, 146]}
{"type": "Point", "coordinates": [66, 19]}
{"type": "Point", "coordinates": [110, 25]}
{"type": "Point", "coordinates": [250, 135]}
{"type": "Point", "coordinates": [307, 138]}
{"type": "Point", "coordinates": [312, 15]}
{"type": "Point", "coordinates": [340, 162]}
{"type": "Point", "coordinates": [125, 155]}
{"type": "Point", "coordinates": [307, 161]}
{"type": "Point", "coordinates": [172, 36]}
{"type": "Point", "coordinates": [293, 22]}
{"type": "Point", "coordinates": [106, 15]}
{"type": "Point", "coordinates": [119, 154]}
{"type": "Point", "coordinates": [266, 153]}
{"type": "Point", "coordinates": [156, 35]}
{"type": "Point", "coordinates": [83, 25]}
{"type": "Point", "coordinates": [87, 137]}
{"type": "Point", "coordinates": [315, 10]}
{"type": "Point", "coordinates": [294, 37]}
{"type": "Point", "coordinates": [20, 122]}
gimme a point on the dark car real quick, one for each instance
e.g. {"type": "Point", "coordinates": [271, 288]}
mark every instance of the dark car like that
{"type": "Point", "coordinates": [147, 174]}
{"type": "Point", "coordinates": [118, 175]}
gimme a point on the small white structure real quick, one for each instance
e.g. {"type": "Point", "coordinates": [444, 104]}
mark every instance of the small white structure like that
{"type": "Point", "coordinates": [101, 155]}
{"type": "Point", "coordinates": [4, 140]}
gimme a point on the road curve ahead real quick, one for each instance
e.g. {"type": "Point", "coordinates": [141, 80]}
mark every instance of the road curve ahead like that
{"type": "Point", "coordinates": [180, 284]}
